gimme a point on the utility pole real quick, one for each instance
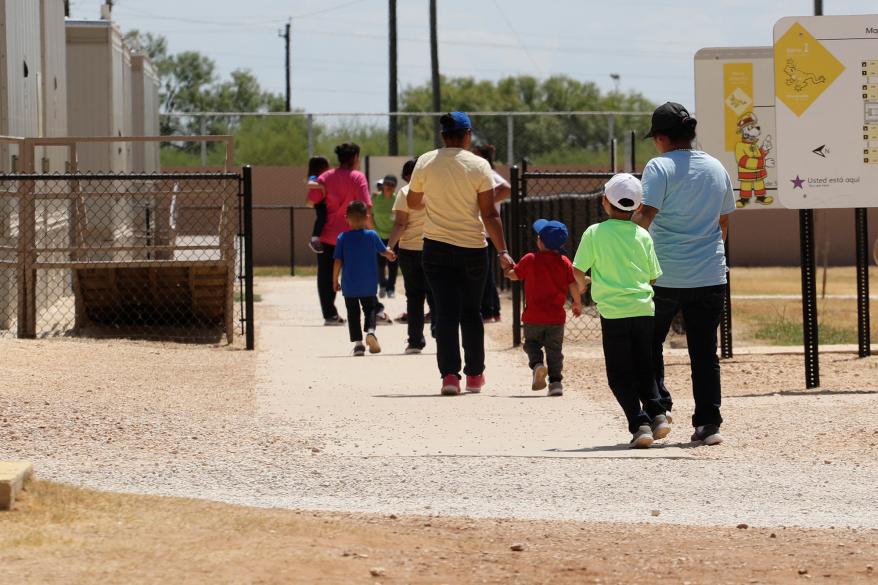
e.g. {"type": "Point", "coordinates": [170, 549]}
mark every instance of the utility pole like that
{"type": "Point", "coordinates": [286, 37]}
{"type": "Point", "coordinates": [434, 66]}
{"type": "Point", "coordinates": [393, 106]}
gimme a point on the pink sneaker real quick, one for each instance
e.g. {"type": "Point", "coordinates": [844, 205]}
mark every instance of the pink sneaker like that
{"type": "Point", "coordinates": [450, 385]}
{"type": "Point", "coordinates": [474, 384]}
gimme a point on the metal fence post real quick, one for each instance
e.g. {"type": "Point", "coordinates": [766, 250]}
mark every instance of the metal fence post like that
{"type": "Point", "coordinates": [309, 120]}
{"type": "Point", "coordinates": [292, 241]}
{"type": "Point", "coordinates": [510, 140]}
{"type": "Point", "coordinates": [613, 155]}
{"type": "Point", "coordinates": [248, 256]}
{"type": "Point", "coordinates": [863, 318]}
{"type": "Point", "coordinates": [633, 138]}
{"type": "Point", "coordinates": [203, 131]}
{"type": "Point", "coordinates": [515, 243]}
{"type": "Point", "coordinates": [809, 298]}
{"type": "Point", "coordinates": [410, 134]}
{"type": "Point", "coordinates": [725, 324]}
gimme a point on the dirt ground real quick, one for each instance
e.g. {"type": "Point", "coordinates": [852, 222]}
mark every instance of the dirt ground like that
{"type": "Point", "coordinates": [301, 425]}
{"type": "Point", "coordinates": [61, 534]}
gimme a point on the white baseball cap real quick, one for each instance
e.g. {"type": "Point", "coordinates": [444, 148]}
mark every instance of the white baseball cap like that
{"type": "Point", "coordinates": [624, 191]}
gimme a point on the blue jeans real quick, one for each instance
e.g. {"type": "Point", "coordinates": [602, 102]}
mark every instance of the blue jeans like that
{"type": "Point", "coordinates": [456, 277]}
{"type": "Point", "coordinates": [702, 309]}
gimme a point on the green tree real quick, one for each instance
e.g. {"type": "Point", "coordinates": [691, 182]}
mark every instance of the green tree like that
{"type": "Point", "coordinates": [189, 83]}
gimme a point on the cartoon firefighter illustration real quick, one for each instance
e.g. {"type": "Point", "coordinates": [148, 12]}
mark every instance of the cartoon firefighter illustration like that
{"type": "Point", "coordinates": [752, 161]}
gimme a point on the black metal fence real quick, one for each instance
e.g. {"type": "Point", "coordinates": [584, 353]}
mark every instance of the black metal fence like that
{"type": "Point", "coordinates": [154, 256]}
{"type": "Point", "coordinates": [570, 197]}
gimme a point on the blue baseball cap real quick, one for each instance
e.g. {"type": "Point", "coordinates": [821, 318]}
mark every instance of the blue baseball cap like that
{"type": "Point", "coordinates": [552, 233]}
{"type": "Point", "coordinates": [454, 121]}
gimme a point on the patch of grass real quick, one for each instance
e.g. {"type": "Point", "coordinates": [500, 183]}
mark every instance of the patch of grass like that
{"type": "Point", "coordinates": [784, 331]}
{"type": "Point", "coordinates": [284, 271]}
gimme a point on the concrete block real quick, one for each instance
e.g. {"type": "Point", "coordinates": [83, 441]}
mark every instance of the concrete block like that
{"type": "Point", "coordinates": [13, 475]}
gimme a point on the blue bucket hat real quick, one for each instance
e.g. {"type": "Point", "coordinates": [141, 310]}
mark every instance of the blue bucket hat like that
{"type": "Point", "coordinates": [454, 121]}
{"type": "Point", "coordinates": [552, 233]}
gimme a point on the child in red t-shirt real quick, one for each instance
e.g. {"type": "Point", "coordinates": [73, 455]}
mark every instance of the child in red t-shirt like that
{"type": "Point", "coordinates": [548, 279]}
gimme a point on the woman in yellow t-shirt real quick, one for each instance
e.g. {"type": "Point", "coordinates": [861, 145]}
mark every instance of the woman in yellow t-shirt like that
{"type": "Point", "coordinates": [456, 189]}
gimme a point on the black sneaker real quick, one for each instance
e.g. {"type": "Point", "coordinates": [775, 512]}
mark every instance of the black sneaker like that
{"type": "Point", "coordinates": [413, 349]}
{"type": "Point", "coordinates": [708, 435]}
{"type": "Point", "coordinates": [334, 321]}
{"type": "Point", "coordinates": [359, 349]}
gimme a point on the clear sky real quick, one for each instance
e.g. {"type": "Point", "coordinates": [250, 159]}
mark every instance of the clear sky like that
{"type": "Point", "coordinates": [339, 47]}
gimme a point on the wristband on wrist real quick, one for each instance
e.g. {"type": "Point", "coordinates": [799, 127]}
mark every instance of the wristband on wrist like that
{"type": "Point", "coordinates": [501, 252]}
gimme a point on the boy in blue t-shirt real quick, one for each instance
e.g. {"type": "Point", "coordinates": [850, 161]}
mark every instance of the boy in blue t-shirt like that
{"type": "Point", "coordinates": [355, 260]}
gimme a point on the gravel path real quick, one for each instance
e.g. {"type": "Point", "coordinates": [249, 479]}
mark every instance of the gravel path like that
{"type": "Point", "coordinates": [300, 424]}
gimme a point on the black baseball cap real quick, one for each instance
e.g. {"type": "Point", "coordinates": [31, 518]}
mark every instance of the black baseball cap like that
{"type": "Point", "coordinates": [669, 118]}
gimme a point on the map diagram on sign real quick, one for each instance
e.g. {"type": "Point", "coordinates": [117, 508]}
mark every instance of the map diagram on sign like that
{"type": "Point", "coordinates": [798, 78]}
{"type": "Point", "coordinates": [870, 110]}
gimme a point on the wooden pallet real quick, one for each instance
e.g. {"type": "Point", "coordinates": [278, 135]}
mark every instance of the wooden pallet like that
{"type": "Point", "coordinates": [196, 293]}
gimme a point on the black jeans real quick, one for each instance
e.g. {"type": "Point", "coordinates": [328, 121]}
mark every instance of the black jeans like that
{"type": "Point", "coordinates": [702, 309]}
{"type": "Point", "coordinates": [387, 271]}
{"type": "Point", "coordinates": [456, 277]}
{"type": "Point", "coordinates": [628, 356]}
{"type": "Point", "coordinates": [319, 219]}
{"type": "Point", "coordinates": [549, 338]}
{"type": "Point", "coordinates": [416, 291]}
{"type": "Point", "coordinates": [353, 305]}
{"type": "Point", "coordinates": [325, 262]}
{"type": "Point", "coordinates": [491, 298]}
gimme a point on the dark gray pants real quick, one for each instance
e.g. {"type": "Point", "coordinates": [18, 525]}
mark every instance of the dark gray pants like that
{"type": "Point", "coordinates": [548, 337]}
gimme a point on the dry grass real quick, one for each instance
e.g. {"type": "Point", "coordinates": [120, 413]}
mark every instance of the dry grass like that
{"type": "Point", "coordinates": [840, 280]}
{"type": "Point", "coordinates": [61, 534]}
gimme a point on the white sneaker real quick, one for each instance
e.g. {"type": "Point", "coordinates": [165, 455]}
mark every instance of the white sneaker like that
{"type": "Point", "coordinates": [643, 438]}
{"type": "Point", "coordinates": [372, 342]}
{"type": "Point", "coordinates": [540, 373]}
{"type": "Point", "coordinates": [556, 389]}
{"type": "Point", "coordinates": [660, 426]}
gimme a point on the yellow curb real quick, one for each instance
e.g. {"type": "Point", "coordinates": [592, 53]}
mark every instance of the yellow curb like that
{"type": "Point", "coordinates": [13, 475]}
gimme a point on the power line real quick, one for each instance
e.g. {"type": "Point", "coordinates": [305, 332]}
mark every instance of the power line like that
{"type": "Point", "coordinates": [520, 42]}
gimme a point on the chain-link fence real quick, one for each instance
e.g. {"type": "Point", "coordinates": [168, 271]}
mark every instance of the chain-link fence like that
{"type": "Point", "coordinates": [144, 256]}
{"type": "Point", "coordinates": [573, 198]}
{"type": "Point", "coordinates": [282, 138]}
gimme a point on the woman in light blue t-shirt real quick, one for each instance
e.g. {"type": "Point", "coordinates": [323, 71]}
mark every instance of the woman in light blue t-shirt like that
{"type": "Point", "coordinates": [687, 196]}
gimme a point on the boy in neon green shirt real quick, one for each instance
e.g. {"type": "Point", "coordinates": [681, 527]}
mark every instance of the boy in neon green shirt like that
{"type": "Point", "coordinates": [382, 217]}
{"type": "Point", "coordinates": [623, 267]}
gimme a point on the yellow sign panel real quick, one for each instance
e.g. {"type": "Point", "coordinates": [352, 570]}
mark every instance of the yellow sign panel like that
{"type": "Point", "coordinates": [803, 69]}
{"type": "Point", "coordinates": [738, 89]}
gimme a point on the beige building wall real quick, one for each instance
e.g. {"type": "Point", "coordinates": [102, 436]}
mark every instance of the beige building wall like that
{"type": "Point", "coordinates": [757, 238]}
{"type": "Point", "coordinates": [145, 104]}
{"type": "Point", "coordinates": [20, 65]}
{"type": "Point", "coordinates": [54, 85]}
{"type": "Point", "coordinates": [96, 94]}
